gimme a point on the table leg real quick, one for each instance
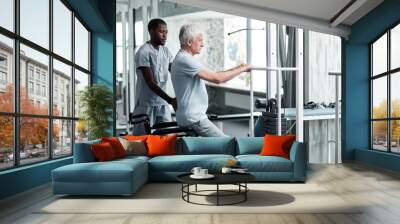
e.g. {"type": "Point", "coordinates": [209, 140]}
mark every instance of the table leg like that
{"type": "Point", "coordinates": [188, 192]}
{"type": "Point", "coordinates": [217, 194]}
{"type": "Point", "coordinates": [182, 188]}
{"type": "Point", "coordinates": [196, 187]}
{"type": "Point", "coordinates": [328, 141]}
{"type": "Point", "coordinates": [245, 192]}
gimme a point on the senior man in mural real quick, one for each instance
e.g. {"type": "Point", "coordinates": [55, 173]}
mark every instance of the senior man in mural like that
{"type": "Point", "coordinates": [188, 75]}
{"type": "Point", "coordinates": [153, 62]}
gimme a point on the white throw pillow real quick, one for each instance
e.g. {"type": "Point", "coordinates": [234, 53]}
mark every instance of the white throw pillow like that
{"type": "Point", "coordinates": [136, 147]}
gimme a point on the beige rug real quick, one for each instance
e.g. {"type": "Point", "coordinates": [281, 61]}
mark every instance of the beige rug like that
{"type": "Point", "coordinates": [166, 198]}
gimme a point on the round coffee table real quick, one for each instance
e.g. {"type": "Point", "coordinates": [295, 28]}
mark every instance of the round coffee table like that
{"type": "Point", "coordinates": [238, 179]}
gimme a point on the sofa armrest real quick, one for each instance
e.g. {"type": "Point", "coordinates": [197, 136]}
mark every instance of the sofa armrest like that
{"type": "Point", "coordinates": [83, 152]}
{"type": "Point", "coordinates": [299, 158]}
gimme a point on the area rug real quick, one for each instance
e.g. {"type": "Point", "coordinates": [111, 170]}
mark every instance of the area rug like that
{"type": "Point", "coordinates": [167, 198]}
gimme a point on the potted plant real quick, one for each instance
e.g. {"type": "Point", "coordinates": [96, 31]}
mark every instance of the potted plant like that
{"type": "Point", "coordinates": [96, 102]}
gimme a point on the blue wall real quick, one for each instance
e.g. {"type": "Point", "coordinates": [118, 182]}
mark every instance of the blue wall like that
{"type": "Point", "coordinates": [355, 82]}
{"type": "Point", "coordinates": [103, 58]}
{"type": "Point", "coordinates": [24, 178]}
{"type": "Point", "coordinates": [91, 12]}
{"type": "Point", "coordinates": [99, 15]}
{"type": "Point", "coordinates": [381, 159]}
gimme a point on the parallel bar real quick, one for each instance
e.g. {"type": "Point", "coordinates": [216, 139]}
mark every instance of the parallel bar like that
{"type": "Point", "coordinates": [337, 120]}
{"type": "Point", "coordinates": [268, 57]}
{"type": "Point", "coordinates": [248, 42]}
{"type": "Point", "coordinates": [337, 116]}
{"type": "Point", "coordinates": [275, 68]}
{"type": "Point", "coordinates": [299, 86]}
{"type": "Point", "coordinates": [124, 10]}
{"type": "Point", "coordinates": [278, 101]}
{"type": "Point", "coordinates": [131, 78]}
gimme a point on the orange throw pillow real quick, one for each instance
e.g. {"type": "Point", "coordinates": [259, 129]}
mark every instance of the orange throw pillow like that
{"type": "Point", "coordinates": [275, 145]}
{"type": "Point", "coordinates": [135, 137]}
{"type": "Point", "coordinates": [161, 145]}
{"type": "Point", "coordinates": [116, 145]}
{"type": "Point", "coordinates": [103, 152]}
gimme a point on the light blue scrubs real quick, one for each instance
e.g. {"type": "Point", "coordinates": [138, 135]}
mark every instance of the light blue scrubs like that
{"type": "Point", "coordinates": [147, 102]}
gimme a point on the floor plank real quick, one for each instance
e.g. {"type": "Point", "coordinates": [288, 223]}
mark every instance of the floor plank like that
{"type": "Point", "coordinates": [377, 189]}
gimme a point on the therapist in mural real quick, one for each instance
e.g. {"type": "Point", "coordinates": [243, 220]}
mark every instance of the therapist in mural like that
{"type": "Point", "coordinates": [188, 75]}
{"type": "Point", "coordinates": [153, 62]}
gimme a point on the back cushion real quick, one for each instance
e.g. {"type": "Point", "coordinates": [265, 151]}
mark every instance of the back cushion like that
{"type": "Point", "coordinates": [249, 145]}
{"type": "Point", "coordinates": [83, 152]}
{"type": "Point", "coordinates": [206, 145]}
{"type": "Point", "coordinates": [135, 137]}
{"type": "Point", "coordinates": [161, 145]}
{"type": "Point", "coordinates": [116, 145]}
{"type": "Point", "coordinates": [275, 145]}
{"type": "Point", "coordinates": [135, 147]}
{"type": "Point", "coordinates": [104, 152]}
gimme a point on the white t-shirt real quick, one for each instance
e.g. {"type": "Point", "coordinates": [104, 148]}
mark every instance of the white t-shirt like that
{"type": "Point", "coordinates": [190, 90]}
{"type": "Point", "coordinates": [158, 61]}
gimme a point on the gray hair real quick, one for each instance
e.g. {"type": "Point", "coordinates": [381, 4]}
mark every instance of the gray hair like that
{"type": "Point", "coordinates": [188, 32]}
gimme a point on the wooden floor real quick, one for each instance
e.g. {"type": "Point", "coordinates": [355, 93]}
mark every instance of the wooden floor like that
{"type": "Point", "coordinates": [377, 188]}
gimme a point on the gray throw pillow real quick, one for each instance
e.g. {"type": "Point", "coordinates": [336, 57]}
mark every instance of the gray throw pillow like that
{"type": "Point", "coordinates": [137, 147]}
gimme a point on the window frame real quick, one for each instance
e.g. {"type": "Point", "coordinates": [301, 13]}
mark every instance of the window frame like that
{"type": "Point", "coordinates": [388, 74]}
{"type": "Point", "coordinates": [3, 69]}
{"type": "Point", "coordinates": [16, 114]}
{"type": "Point", "coordinates": [3, 77]}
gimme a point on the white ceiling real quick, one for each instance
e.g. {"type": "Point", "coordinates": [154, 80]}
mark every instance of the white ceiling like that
{"type": "Point", "coordinates": [319, 9]}
{"type": "Point", "coordinates": [307, 14]}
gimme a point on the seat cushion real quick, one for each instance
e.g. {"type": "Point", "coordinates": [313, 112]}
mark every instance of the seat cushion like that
{"type": "Point", "coordinates": [257, 163]}
{"type": "Point", "coordinates": [111, 171]}
{"type": "Point", "coordinates": [132, 160]}
{"type": "Point", "coordinates": [185, 163]}
{"type": "Point", "coordinates": [134, 157]}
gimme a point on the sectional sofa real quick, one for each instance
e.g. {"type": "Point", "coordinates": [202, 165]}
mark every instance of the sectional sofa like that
{"type": "Point", "coordinates": [125, 176]}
